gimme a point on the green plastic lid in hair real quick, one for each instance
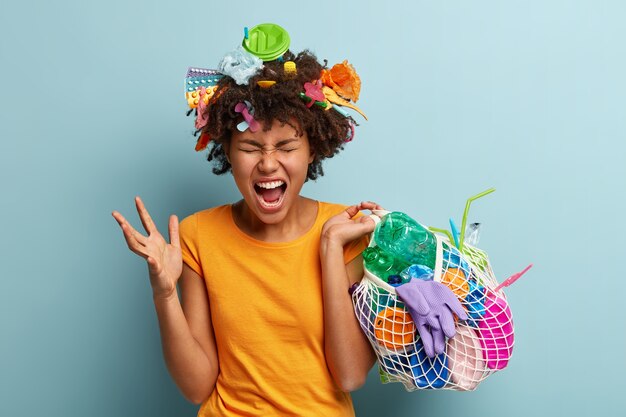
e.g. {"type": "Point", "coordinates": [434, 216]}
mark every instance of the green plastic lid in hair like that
{"type": "Point", "coordinates": [268, 41]}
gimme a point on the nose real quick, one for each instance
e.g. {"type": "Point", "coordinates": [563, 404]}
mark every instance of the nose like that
{"type": "Point", "coordinates": [268, 162]}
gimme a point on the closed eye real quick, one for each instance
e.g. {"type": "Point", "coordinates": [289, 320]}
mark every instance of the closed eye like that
{"type": "Point", "coordinates": [261, 151]}
{"type": "Point", "coordinates": [250, 150]}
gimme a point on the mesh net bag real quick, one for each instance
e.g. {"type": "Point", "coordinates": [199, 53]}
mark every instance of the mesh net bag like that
{"type": "Point", "coordinates": [483, 344]}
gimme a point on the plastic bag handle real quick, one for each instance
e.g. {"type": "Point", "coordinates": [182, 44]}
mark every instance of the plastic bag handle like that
{"type": "Point", "coordinates": [376, 216]}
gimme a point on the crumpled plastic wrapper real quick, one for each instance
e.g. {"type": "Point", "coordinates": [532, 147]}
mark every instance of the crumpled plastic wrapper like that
{"type": "Point", "coordinates": [240, 65]}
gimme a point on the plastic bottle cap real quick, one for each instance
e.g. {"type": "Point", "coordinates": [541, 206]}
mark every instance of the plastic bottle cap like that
{"type": "Point", "coordinates": [268, 41]}
{"type": "Point", "coordinates": [394, 279]}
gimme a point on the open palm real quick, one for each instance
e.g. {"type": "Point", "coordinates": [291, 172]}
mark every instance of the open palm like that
{"type": "Point", "coordinates": [165, 262]}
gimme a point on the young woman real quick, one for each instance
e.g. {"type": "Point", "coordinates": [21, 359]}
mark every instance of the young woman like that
{"type": "Point", "coordinates": [264, 324]}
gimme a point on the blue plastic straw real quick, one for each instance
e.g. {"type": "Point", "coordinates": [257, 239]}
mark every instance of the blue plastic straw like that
{"type": "Point", "coordinates": [455, 232]}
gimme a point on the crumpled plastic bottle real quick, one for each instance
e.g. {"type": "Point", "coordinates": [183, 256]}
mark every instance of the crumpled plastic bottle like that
{"type": "Point", "coordinates": [405, 239]}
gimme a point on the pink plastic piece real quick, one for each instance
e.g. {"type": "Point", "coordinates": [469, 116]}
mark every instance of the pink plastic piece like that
{"type": "Point", "coordinates": [496, 332]}
{"type": "Point", "coordinates": [242, 108]}
{"type": "Point", "coordinates": [203, 116]}
{"type": "Point", "coordinates": [510, 280]}
{"type": "Point", "coordinates": [314, 92]}
{"type": "Point", "coordinates": [465, 358]}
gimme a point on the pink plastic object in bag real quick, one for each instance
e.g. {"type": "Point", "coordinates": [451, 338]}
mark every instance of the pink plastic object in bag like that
{"type": "Point", "coordinates": [496, 332]}
{"type": "Point", "coordinates": [467, 367]}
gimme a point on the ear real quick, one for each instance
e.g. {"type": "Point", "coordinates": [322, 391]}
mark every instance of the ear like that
{"type": "Point", "coordinates": [311, 157]}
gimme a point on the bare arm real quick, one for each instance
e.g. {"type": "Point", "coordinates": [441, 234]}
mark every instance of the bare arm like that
{"type": "Point", "coordinates": [187, 337]}
{"type": "Point", "coordinates": [348, 353]}
{"type": "Point", "coordinates": [186, 331]}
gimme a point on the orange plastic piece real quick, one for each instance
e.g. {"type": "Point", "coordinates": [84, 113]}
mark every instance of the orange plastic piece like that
{"type": "Point", "coordinates": [265, 83]}
{"type": "Point", "coordinates": [333, 97]}
{"type": "Point", "coordinates": [344, 80]}
{"type": "Point", "coordinates": [454, 278]}
{"type": "Point", "coordinates": [394, 328]}
{"type": "Point", "coordinates": [203, 141]}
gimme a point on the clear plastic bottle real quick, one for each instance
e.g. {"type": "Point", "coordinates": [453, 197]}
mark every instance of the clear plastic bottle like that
{"type": "Point", "coordinates": [405, 239]}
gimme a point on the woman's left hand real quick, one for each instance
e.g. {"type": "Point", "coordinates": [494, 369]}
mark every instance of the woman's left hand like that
{"type": "Point", "coordinates": [344, 228]}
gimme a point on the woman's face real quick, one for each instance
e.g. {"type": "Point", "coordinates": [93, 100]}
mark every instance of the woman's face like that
{"type": "Point", "coordinates": [270, 168]}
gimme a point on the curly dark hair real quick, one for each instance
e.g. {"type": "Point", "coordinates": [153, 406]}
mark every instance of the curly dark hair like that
{"type": "Point", "coordinates": [327, 130]}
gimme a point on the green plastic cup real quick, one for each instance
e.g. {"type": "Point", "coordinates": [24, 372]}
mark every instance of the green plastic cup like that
{"type": "Point", "coordinates": [268, 41]}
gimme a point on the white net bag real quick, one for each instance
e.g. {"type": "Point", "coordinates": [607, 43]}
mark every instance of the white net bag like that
{"type": "Point", "coordinates": [483, 343]}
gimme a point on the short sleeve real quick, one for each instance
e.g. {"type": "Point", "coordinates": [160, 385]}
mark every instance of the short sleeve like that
{"type": "Point", "coordinates": [188, 232]}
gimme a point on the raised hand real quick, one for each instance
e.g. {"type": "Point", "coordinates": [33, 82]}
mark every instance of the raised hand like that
{"type": "Point", "coordinates": [165, 262]}
{"type": "Point", "coordinates": [344, 228]}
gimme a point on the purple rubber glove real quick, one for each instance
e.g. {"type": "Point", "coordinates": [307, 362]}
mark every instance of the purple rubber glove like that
{"type": "Point", "coordinates": [431, 305]}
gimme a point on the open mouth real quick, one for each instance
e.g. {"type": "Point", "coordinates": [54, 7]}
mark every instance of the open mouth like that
{"type": "Point", "coordinates": [270, 193]}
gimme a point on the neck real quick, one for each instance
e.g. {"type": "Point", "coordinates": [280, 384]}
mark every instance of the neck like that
{"type": "Point", "coordinates": [299, 219]}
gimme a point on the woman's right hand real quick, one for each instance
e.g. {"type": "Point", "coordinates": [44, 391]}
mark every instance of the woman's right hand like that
{"type": "Point", "coordinates": [165, 261]}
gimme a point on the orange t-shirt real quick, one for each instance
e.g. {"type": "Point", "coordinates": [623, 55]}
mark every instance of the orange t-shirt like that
{"type": "Point", "coordinates": [267, 315]}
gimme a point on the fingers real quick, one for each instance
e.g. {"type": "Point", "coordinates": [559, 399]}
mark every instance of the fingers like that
{"type": "Point", "coordinates": [146, 220]}
{"type": "Point", "coordinates": [457, 308]}
{"type": "Point", "coordinates": [427, 339]}
{"type": "Point", "coordinates": [368, 224]}
{"type": "Point", "coordinates": [414, 299]}
{"type": "Point", "coordinates": [447, 323]}
{"type": "Point", "coordinates": [450, 299]}
{"type": "Point", "coordinates": [366, 221]}
{"type": "Point", "coordinates": [134, 239]}
{"type": "Point", "coordinates": [433, 321]}
{"type": "Point", "coordinates": [352, 211]}
{"type": "Point", "coordinates": [363, 205]}
{"type": "Point", "coordinates": [369, 205]}
{"type": "Point", "coordinates": [439, 341]}
{"type": "Point", "coordinates": [173, 229]}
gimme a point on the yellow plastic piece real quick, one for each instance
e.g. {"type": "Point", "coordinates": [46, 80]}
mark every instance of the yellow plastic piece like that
{"type": "Point", "coordinates": [265, 83]}
{"type": "Point", "coordinates": [333, 97]}
{"type": "Point", "coordinates": [290, 68]}
{"type": "Point", "coordinates": [193, 100]}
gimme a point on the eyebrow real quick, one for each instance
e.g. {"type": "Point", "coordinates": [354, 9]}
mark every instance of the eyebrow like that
{"type": "Point", "coordinates": [260, 145]}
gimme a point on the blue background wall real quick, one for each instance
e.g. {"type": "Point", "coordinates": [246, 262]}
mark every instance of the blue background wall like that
{"type": "Point", "coordinates": [525, 96]}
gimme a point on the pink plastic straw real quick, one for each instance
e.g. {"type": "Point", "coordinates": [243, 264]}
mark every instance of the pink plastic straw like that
{"type": "Point", "coordinates": [510, 280]}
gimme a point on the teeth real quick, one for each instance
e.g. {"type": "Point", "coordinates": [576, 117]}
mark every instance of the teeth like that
{"type": "Point", "coordinates": [269, 185]}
